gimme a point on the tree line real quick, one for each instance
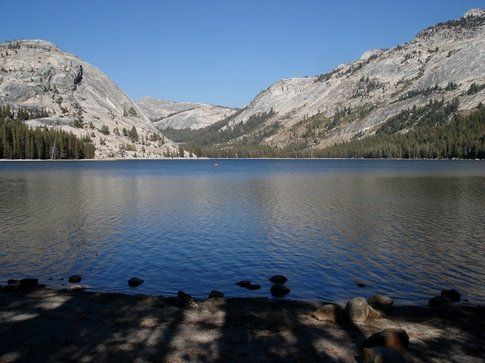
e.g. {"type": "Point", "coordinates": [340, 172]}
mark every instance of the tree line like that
{"type": "Point", "coordinates": [19, 141]}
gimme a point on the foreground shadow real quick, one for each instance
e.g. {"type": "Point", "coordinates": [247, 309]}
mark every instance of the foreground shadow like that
{"type": "Point", "coordinates": [54, 326]}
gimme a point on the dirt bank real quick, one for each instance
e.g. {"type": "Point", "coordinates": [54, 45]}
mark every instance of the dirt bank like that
{"type": "Point", "coordinates": [52, 325]}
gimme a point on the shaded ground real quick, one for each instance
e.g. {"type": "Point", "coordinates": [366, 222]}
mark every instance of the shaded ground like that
{"type": "Point", "coordinates": [52, 325]}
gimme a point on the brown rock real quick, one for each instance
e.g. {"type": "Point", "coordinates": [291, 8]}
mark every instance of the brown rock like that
{"type": "Point", "coordinates": [395, 339]}
{"type": "Point", "coordinates": [278, 279]}
{"type": "Point", "coordinates": [357, 309]}
{"type": "Point", "coordinates": [374, 314]}
{"type": "Point", "coordinates": [382, 355]}
{"type": "Point", "coordinates": [215, 294]}
{"type": "Point", "coordinates": [279, 290]}
{"type": "Point", "coordinates": [135, 282]}
{"type": "Point", "coordinates": [75, 279]}
{"type": "Point", "coordinates": [380, 302]}
{"type": "Point", "coordinates": [452, 294]}
{"type": "Point", "coordinates": [330, 312]}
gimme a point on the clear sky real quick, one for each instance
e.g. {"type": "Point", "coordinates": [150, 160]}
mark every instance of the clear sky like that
{"type": "Point", "coordinates": [219, 51]}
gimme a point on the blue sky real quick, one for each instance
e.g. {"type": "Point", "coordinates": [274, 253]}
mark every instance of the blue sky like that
{"type": "Point", "coordinates": [221, 51]}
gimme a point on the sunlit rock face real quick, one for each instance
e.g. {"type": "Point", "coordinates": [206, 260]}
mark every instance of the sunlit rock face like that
{"type": "Point", "coordinates": [78, 97]}
{"type": "Point", "coordinates": [182, 115]}
{"type": "Point", "coordinates": [379, 85]}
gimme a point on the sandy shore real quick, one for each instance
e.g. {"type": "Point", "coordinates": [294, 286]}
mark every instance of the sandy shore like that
{"type": "Point", "coordinates": [59, 325]}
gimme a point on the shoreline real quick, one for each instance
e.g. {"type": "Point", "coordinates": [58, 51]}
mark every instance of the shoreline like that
{"type": "Point", "coordinates": [46, 324]}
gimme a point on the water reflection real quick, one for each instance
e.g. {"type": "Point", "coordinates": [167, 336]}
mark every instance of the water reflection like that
{"type": "Point", "coordinates": [407, 228]}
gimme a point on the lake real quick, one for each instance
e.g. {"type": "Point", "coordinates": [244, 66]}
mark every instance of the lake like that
{"type": "Point", "coordinates": [405, 228]}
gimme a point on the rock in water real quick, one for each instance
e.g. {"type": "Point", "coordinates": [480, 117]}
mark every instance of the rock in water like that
{"type": "Point", "coordinates": [279, 290]}
{"type": "Point", "coordinates": [75, 279]}
{"type": "Point", "coordinates": [278, 279]}
{"type": "Point", "coordinates": [215, 294]}
{"type": "Point", "coordinates": [244, 283]}
{"type": "Point", "coordinates": [27, 284]}
{"type": "Point", "coordinates": [395, 339]}
{"type": "Point", "coordinates": [329, 312]}
{"type": "Point", "coordinates": [11, 282]}
{"type": "Point", "coordinates": [440, 303]}
{"type": "Point", "coordinates": [452, 294]}
{"type": "Point", "coordinates": [135, 282]}
{"type": "Point", "coordinates": [357, 309]}
{"type": "Point", "coordinates": [382, 355]}
{"type": "Point", "coordinates": [381, 302]}
{"type": "Point", "coordinates": [254, 287]}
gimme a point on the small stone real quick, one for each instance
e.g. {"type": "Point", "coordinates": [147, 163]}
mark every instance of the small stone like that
{"type": "Point", "coordinates": [244, 283]}
{"type": "Point", "coordinates": [27, 284]}
{"type": "Point", "coordinates": [357, 309]}
{"type": "Point", "coordinates": [329, 312]}
{"type": "Point", "coordinates": [440, 303]}
{"type": "Point", "coordinates": [135, 282]}
{"type": "Point", "coordinates": [279, 290]}
{"type": "Point", "coordinates": [216, 294]}
{"type": "Point", "coordinates": [395, 339]}
{"type": "Point", "coordinates": [278, 279]}
{"type": "Point", "coordinates": [75, 279]}
{"type": "Point", "coordinates": [254, 287]}
{"type": "Point", "coordinates": [381, 302]}
{"type": "Point", "coordinates": [184, 299]}
{"type": "Point", "coordinates": [452, 294]}
{"type": "Point", "coordinates": [382, 355]}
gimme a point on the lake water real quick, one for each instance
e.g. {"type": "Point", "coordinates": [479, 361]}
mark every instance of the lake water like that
{"type": "Point", "coordinates": [406, 228]}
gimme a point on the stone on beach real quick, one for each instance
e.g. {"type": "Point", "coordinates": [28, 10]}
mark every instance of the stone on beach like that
{"type": "Point", "coordinates": [357, 309]}
{"type": "Point", "coordinates": [381, 302]}
{"type": "Point", "coordinates": [215, 294]}
{"type": "Point", "coordinates": [278, 279]}
{"type": "Point", "coordinates": [75, 279]}
{"type": "Point", "coordinates": [330, 312]}
{"type": "Point", "coordinates": [452, 294]}
{"type": "Point", "coordinates": [382, 355]}
{"type": "Point", "coordinates": [395, 339]}
{"type": "Point", "coordinates": [440, 303]}
{"type": "Point", "coordinates": [135, 282]}
{"type": "Point", "coordinates": [279, 290]}
{"type": "Point", "coordinates": [183, 299]}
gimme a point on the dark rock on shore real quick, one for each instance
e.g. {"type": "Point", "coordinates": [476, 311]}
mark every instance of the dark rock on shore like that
{"type": "Point", "coordinates": [278, 279]}
{"type": "Point", "coordinates": [330, 312]}
{"type": "Point", "coordinates": [135, 282]}
{"type": "Point", "coordinates": [244, 283]}
{"type": "Point", "coordinates": [357, 309]}
{"type": "Point", "coordinates": [382, 355]}
{"type": "Point", "coordinates": [216, 294]}
{"type": "Point", "coordinates": [184, 299]}
{"type": "Point", "coordinates": [28, 284]}
{"type": "Point", "coordinates": [11, 282]}
{"type": "Point", "coordinates": [279, 290]}
{"type": "Point", "coordinates": [395, 339]}
{"type": "Point", "coordinates": [452, 294]}
{"type": "Point", "coordinates": [75, 279]}
{"type": "Point", "coordinates": [380, 302]}
{"type": "Point", "coordinates": [440, 303]}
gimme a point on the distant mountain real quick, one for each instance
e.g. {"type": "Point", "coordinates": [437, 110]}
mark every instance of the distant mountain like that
{"type": "Point", "coordinates": [75, 96]}
{"type": "Point", "coordinates": [374, 95]}
{"type": "Point", "coordinates": [182, 115]}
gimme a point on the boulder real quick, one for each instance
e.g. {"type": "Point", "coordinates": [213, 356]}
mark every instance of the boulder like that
{"type": "Point", "coordinates": [279, 290]}
{"type": "Point", "coordinates": [330, 312]}
{"type": "Point", "coordinates": [27, 284]}
{"type": "Point", "coordinates": [382, 355]}
{"type": "Point", "coordinates": [215, 294]}
{"type": "Point", "coordinates": [75, 279]}
{"type": "Point", "coordinates": [135, 282]}
{"type": "Point", "coordinates": [380, 302]}
{"type": "Point", "coordinates": [244, 283]}
{"type": "Point", "coordinates": [184, 299]}
{"type": "Point", "coordinates": [452, 294]}
{"type": "Point", "coordinates": [395, 339]}
{"type": "Point", "coordinates": [357, 309]}
{"type": "Point", "coordinates": [440, 303]}
{"type": "Point", "coordinates": [278, 279]}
